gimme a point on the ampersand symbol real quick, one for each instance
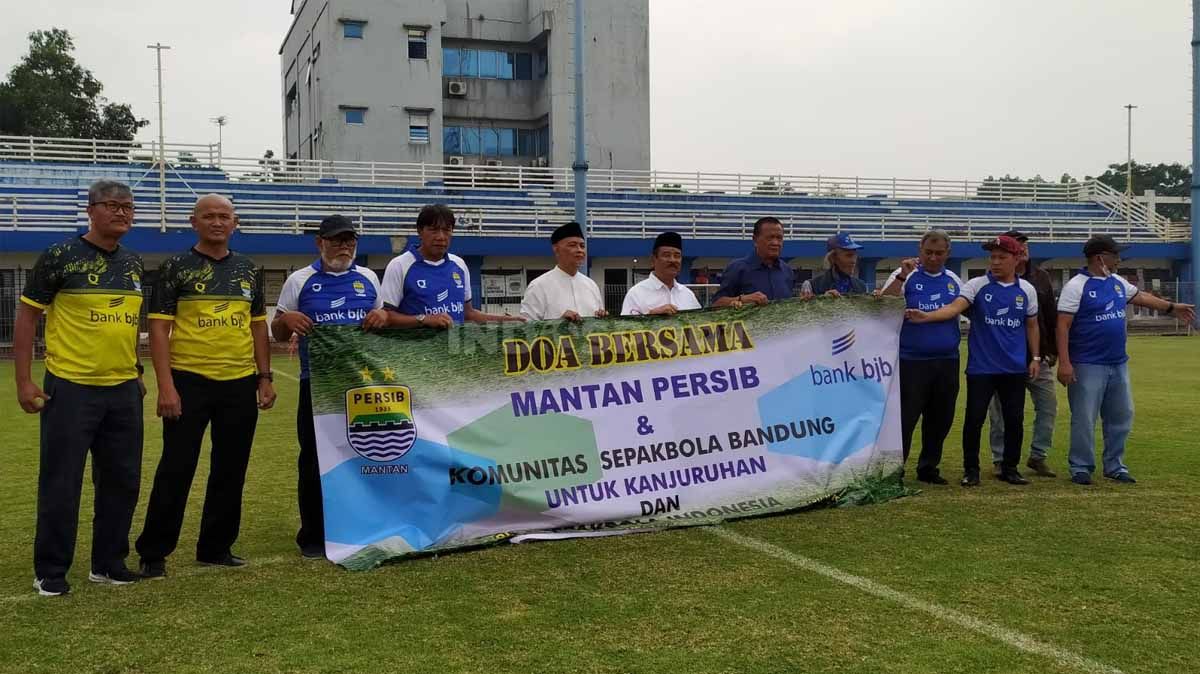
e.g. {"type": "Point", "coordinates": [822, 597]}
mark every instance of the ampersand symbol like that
{"type": "Point", "coordinates": [644, 427]}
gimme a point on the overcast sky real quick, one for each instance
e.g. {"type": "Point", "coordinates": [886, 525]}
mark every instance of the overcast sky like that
{"type": "Point", "coordinates": [907, 88]}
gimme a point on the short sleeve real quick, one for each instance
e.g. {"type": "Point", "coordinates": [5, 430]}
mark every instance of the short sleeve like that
{"type": "Point", "coordinates": [971, 288]}
{"type": "Point", "coordinates": [533, 305]}
{"type": "Point", "coordinates": [731, 281]}
{"type": "Point", "coordinates": [954, 277]}
{"type": "Point", "coordinates": [44, 280]}
{"type": "Point", "coordinates": [164, 297]}
{"type": "Point", "coordinates": [258, 300]}
{"type": "Point", "coordinates": [289, 296]}
{"type": "Point", "coordinates": [373, 279]}
{"type": "Point", "coordinates": [466, 275]}
{"type": "Point", "coordinates": [1031, 308]}
{"type": "Point", "coordinates": [1072, 294]}
{"type": "Point", "coordinates": [391, 290]}
{"type": "Point", "coordinates": [892, 279]}
{"type": "Point", "coordinates": [630, 306]}
{"type": "Point", "coordinates": [1130, 289]}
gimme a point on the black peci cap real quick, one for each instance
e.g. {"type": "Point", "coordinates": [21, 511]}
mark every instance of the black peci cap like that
{"type": "Point", "coordinates": [669, 239]}
{"type": "Point", "coordinates": [567, 231]}
{"type": "Point", "coordinates": [334, 225]}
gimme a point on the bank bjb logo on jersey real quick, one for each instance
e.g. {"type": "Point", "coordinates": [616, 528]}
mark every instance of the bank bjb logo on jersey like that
{"type": "Point", "coordinates": [379, 421]}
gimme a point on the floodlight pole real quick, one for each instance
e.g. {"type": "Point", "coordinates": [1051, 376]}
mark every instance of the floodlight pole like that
{"type": "Point", "coordinates": [580, 166]}
{"type": "Point", "coordinates": [220, 121]}
{"type": "Point", "coordinates": [158, 48]}
{"type": "Point", "coordinates": [1195, 149]}
{"type": "Point", "coordinates": [1129, 166]}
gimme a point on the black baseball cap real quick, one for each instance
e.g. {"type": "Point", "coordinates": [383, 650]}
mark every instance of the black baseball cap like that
{"type": "Point", "coordinates": [1102, 243]}
{"type": "Point", "coordinates": [1018, 235]}
{"type": "Point", "coordinates": [334, 225]}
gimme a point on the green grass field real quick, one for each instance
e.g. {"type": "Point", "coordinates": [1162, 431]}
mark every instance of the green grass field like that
{"type": "Point", "coordinates": [1046, 578]}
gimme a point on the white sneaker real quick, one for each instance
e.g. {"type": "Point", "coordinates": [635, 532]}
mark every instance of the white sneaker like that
{"type": "Point", "coordinates": [51, 587]}
{"type": "Point", "coordinates": [113, 579]}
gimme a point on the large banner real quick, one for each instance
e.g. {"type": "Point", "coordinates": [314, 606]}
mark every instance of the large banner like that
{"type": "Point", "coordinates": [431, 440]}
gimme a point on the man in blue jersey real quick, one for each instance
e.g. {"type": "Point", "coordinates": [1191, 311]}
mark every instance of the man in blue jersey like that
{"type": "Point", "coordinates": [928, 351]}
{"type": "Point", "coordinates": [331, 291]}
{"type": "Point", "coordinates": [430, 286]}
{"type": "Point", "coordinates": [1003, 311]}
{"type": "Point", "coordinates": [1092, 362]}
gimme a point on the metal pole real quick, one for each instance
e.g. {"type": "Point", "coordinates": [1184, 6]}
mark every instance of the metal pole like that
{"type": "Point", "coordinates": [580, 166]}
{"type": "Point", "coordinates": [158, 48]}
{"type": "Point", "coordinates": [220, 121]}
{"type": "Point", "coordinates": [1195, 207]}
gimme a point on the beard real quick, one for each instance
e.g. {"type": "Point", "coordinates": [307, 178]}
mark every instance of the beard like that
{"type": "Point", "coordinates": [337, 264]}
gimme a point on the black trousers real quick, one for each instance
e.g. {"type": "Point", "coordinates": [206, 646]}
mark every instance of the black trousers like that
{"type": "Point", "coordinates": [928, 391]}
{"type": "Point", "coordinates": [108, 421]}
{"type": "Point", "coordinates": [232, 408]}
{"type": "Point", "coordinates": [1010, 390]}
{"type": "Point", "coordinates": [308, 483]}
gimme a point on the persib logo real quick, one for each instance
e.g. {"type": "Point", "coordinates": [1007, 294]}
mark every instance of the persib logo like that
{"type": "Point", "coordinates": [360, 288]}
{"type": "Point", "coordinates": [379, 422]}
{"type": "Point", "coordinates": [843, 343]}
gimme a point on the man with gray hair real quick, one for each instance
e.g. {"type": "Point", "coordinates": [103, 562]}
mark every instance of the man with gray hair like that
{"type": "Point", "coordinates": [928, 351]}
{"type": "Point", "coordinates": [208, 340]}
{"type": "Point", "coordinates": [90, 288]}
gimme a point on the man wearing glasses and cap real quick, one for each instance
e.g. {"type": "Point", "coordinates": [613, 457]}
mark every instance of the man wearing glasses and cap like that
{"type": "Point", "coordinates": [1092, 362]}
{"type": "Point", "coordinates": [659, 293]}
{"type": "Point", "coordinates": [1041, 388]}
{"type": "Point", "coordinates": [331, 291]}
{"type": "Point", "coordinates": [564, 292]}
{"type": "Point", "coordinates": [1003, 311]}
{"type": "Point", "coordinates": [841, 270]}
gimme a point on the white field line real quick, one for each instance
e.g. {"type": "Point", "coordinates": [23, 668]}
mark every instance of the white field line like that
{"type": "Point", "coordinates": [173, 573]}
{"type": "Point", "coordinates": [1017, 640]}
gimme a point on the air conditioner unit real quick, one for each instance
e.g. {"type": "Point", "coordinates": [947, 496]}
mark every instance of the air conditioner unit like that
{"type": "Point", "coordinates": [456, 88]}
{"type": "Point", "coordinates": [541, 162]}
{"type": "Point", "coordinates": [495, 162]}
{"type": "Point", "coordinates": [457, 160]}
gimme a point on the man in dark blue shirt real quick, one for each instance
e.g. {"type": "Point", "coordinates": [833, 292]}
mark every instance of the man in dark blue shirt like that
{"type": "Point", "coordinates": [841, 268]}
{"type": "Point", "coordinates": [760, 277]}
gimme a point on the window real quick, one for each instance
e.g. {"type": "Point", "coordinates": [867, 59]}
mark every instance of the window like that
{"type": "Point", "coordinates": [524, 67]}
{"type": "Point", "coordinates": [506, 61]}
{"type": "Point", "coordinates": [469, 140]}
{"type": "Point", "coordinates": [488, 66]}
{"type": "Point", "coordinates": [450, 140]}
{"type": "Point", "coordinates": [316, 52]}
{"type": "Point", "coordinates": [526, 139]}
{"type": "Point", "coordinates": [353, 29]}
{"type": "Point", "coordinates": [543, 64]}
{"type": "Point", "coordinates": [451, 62]}
{"type": "Point", "coordinates": [355, 115]}
{"type": "Point", "coordinates": [508, 141]}
{"type": "Point", "coordinates": [490, 141]}
{"type": "Point", "coordinates": [418, 127]}
{"type": "Point", "coordinates": [469, 62]}
{"type": "Point", "coordinates": [291, 102]}
{"type": "Point", "coordinates": [418, 45]}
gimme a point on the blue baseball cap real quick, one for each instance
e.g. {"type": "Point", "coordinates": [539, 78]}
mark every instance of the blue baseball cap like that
{"type": "Point", "coordinates": [841, 240]}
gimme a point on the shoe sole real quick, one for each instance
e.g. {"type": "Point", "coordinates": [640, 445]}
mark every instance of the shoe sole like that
{"type": "Point", "coordinates": [101, 579]}
{"type": "Point", "coordinates": [222, 566]}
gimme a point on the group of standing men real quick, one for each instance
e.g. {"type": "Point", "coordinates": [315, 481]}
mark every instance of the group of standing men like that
{"type": "Point", "coordinates": [210, 349]}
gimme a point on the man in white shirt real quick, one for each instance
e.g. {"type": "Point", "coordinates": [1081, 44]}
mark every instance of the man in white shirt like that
{"type": "Point", "coordinates": [660, 294]}
{"type": "Point", "coordinates": [563, 292]}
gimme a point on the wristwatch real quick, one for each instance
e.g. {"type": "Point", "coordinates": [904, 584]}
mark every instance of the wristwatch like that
{"type": "Point", "coordinates": [268, 375]}
{"type": "Point", "coordinates": [421, 318]}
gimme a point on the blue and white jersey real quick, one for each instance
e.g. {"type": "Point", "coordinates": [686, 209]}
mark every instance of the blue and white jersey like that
{"type": "Point", "coordinates": [1097, 334]}
{"type": "Point", "coordinates": [998, 311]}
{"type": "Point", "coordinates": [929, 292]}
{"type": "Point", "coordinates": [414, 286]}
{"type": "Point", "coordinates": [329, 298]}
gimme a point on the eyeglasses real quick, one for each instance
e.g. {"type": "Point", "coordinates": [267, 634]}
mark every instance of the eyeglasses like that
{"type": "Point", "coordinates": [341, 241]}
{"type": "Point", "coordinates": [115, 206]}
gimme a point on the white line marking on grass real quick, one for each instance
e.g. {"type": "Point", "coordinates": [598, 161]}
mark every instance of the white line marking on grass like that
{"type": "Point", "coordinates": [1013, 638]}
{"type": "Point", "coordinates": [178, 572]}
{"type": "Point", "coordinates": [285, 375]}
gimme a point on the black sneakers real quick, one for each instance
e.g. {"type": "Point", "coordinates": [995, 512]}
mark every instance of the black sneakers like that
{"type": "Point", "coordinates": [312, 552]}
{"type": "Point", "coordinates": [153, 570]}
{"type": "Point", "coordinates": [1123, 477]}
{"type": "Point", "coordinates": [1012, 477]}
{"type": "Point", "coordinates": [1081, 478]}
{"type": "Point", "coordinates": [117, 576]}
{"type": "Point", "coordinates": [970, 480]}
{"type": "Point", "coordinates": [51, 587]}
{"type": "Point", "coordinates": [932, 478]}
{"type": "Point", "coordinates": [228, 559]}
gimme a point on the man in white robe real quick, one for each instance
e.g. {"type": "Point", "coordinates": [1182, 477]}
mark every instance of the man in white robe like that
{"type": "Point", "coordinates": [564, 292]}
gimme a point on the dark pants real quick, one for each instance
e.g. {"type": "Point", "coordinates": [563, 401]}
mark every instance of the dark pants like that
{"type": "Point", "coordinates": [928, 391]}
{"type": "Point", "coordinates": [1010, 390]}
{"type": "Point", "coordinates": [108, 421]}
{"type": "Point", "coordinates": [232, 407]}
{"type": "Point", "coordinates": [308, 485]}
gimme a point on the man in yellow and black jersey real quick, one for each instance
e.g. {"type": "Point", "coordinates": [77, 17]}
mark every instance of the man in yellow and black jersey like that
{"type": "Point", "coordinates": [90, 289]}
{"type": "Point", "coordinates": [208, 340]}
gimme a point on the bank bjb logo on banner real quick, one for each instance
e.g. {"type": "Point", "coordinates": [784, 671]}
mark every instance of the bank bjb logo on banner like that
{"type": "Point", "coordinates": [379, 421]}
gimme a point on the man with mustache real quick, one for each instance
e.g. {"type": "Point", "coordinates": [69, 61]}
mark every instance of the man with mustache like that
{"type": "Point", "coordinates": [331, 291]}
{"type": "Point", "coordinates": [760, 277]}
{"type": "Point", "coordinates": [659, 293]}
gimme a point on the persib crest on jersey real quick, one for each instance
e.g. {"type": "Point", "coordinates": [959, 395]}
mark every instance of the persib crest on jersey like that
{"type": "Point", "coordinates": [360, 288]}
{"type": "Point", "coordinates": [379, 421]}
{"type": "Point", "coordinates": [458, 283]}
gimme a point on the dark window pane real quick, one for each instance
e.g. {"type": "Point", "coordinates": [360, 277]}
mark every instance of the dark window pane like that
{"type": "Point", "coordinates": [508, 141]}
{"type": "Point", "coordinates": [418, 49]}
{"type": "Point", "coordinates": [490, 141]}
{"type": "Point", "coordinates": [524, 67]}
{"type": "Point", "coordinates": [352, 29]}
{"type": "Point", "coordinates": [543, 64]}
{"type": "Point", "coordinates": [470, 140]}
{"type": "Point", "coordinates": [525, 142]}
{"type": "Point", "coordinates": [487, 63]}
{"type": "Point", "coordinates": [469, 62]}
{"type": "Point", "coordinates": [507, 61]}
{"type": "Point", "coordinates": [450, 139]}
{"type": "Point", "coordinates": [355, 116]}
{"type": "Point", "coordinates": [450, 63]}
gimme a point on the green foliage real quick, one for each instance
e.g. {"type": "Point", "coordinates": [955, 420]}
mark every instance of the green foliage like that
{"type": "Point", "coordinates": [1168, 180]}
{"type": "Point", "coordinates": [49, 94]}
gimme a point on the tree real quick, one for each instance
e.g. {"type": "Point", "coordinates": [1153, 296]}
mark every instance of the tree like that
{"type": "Point", "coordinates": [769, 186]}
{"type": "Point", "coordinates": [1168, 180]}
{"type": "Point", "coordinates": [49, 94]}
